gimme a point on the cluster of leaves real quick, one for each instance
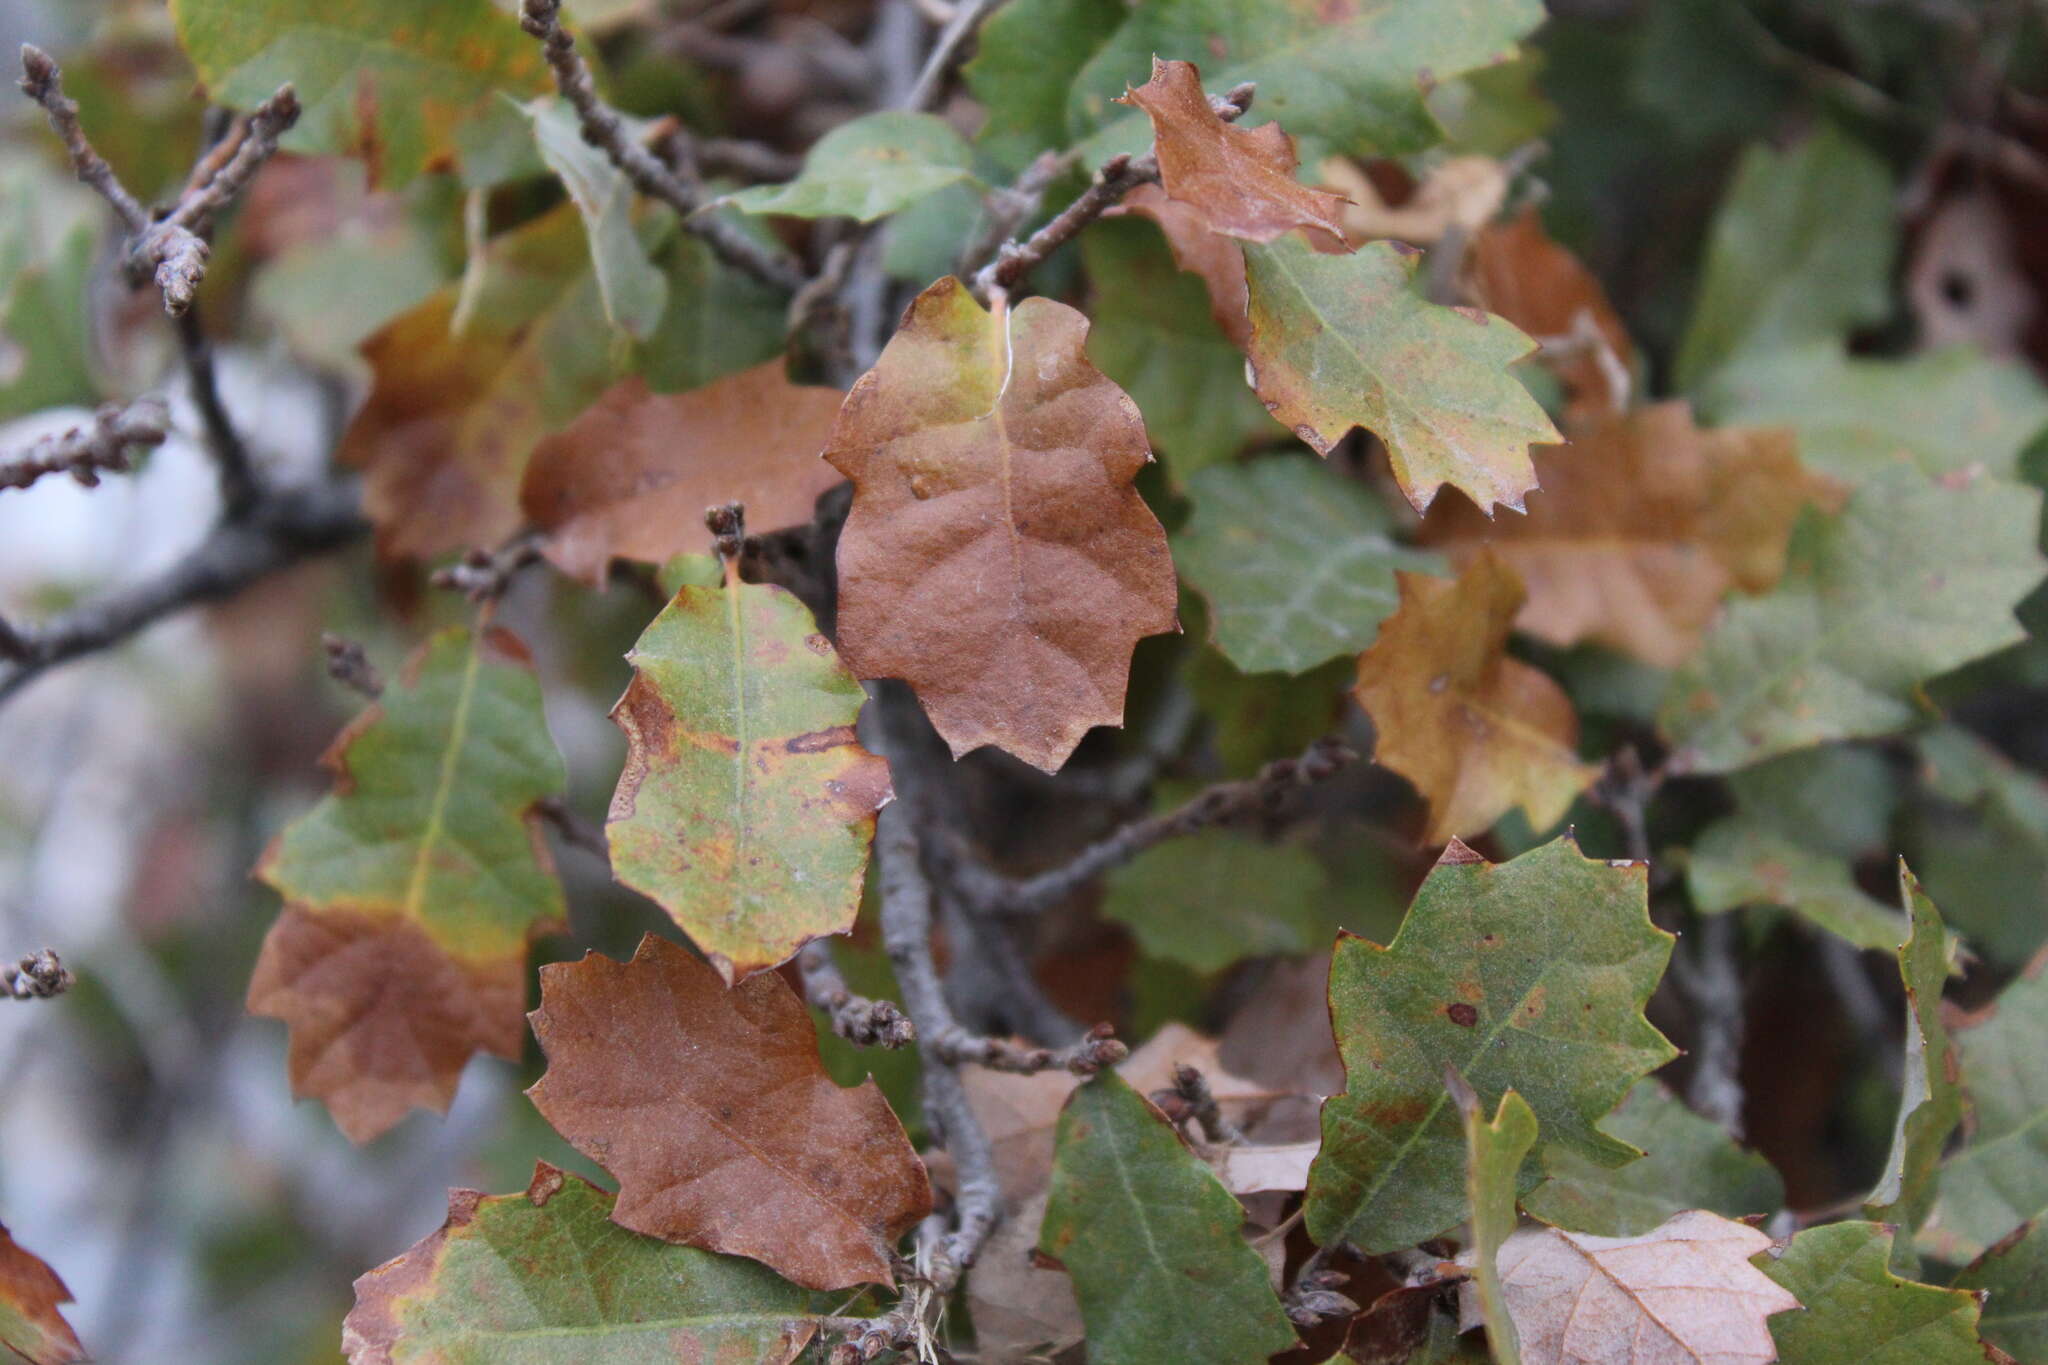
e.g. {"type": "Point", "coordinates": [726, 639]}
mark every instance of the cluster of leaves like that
{"type": "Point", "coordinates": [1724, 632]}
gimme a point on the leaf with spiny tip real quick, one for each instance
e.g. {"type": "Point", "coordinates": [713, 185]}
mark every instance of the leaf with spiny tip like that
{"type": "Point", "coordinates": [1530, 975]}
{"type": "Point", "coordinates": [746, 807]}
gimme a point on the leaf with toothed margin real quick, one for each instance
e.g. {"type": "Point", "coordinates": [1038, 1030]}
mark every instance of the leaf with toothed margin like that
{"type": "Point", "coordinates": [997, 557]}
{"type": "Point", "coordinates": [1858, 1312]}
{"type": "Point", "coordinates": [1530, 975]}
{"type": "Point", "coordinates": [411, 891]}
{"type": "Point", "coordinates": [711, 1107]}
{"type": "Point", "coordinates": [544, 1278]}
{"type": "Point", "coordinates": [747, 806]}
{"type": "Point", "coordinates": [1151, 1239]}
{"type": "Point", "coordinates": [32, 1326]}
{"type": "Point", "coordinates": [1932, 1103]}
{"type": "Point", "coordinates": [1344, 341]}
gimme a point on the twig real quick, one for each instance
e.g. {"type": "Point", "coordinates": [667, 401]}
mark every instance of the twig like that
{"type": "Point", "coordinates": [36, 977]}
{"type": "Point", "coordinates": [857, 1019]}
{"type": "Point", "coordinates": [740, 159]}
{"type": "Point", "coordinates": [990, 892]}
{"type": "Point", "coordinates": [239, 488]}
{"type": "Point", "coordinates": [42, 82]}
{"type": "Point", "coordinates": [577, 830]}
{"type": "Point", "coordinates": [485, 575]}
{"type": "Point", "coordinates": [1117, 177]}
{"type": "Point", "coordinates": [604, 128]}
{"type": "Point", "coordinates": [1713, 981]}
{"type": "Point", "coordinates": [86, 452]}
{"type": "Point", "coordinates": [348, 665]}
{"type": "Point", "coordinates": [1313, 1296]}
{"type": "Point", "coordinates": [1007, 208]}
{"type": "Point", "coordinates": [939, 62]}
{"type": "Point", "coordinates": [286, 526]}
{"type": "Point", "coordinates": [1190, 1100]}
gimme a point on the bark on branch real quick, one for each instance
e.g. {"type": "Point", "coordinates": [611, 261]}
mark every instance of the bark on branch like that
{"type": "Point", "coordinates": [107, 445]}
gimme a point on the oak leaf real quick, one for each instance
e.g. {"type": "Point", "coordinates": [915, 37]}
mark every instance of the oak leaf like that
{"type": "Point", "coordinates": [32, 1326]}
{"type": "Point", "coordinates": [710, 1107]}
{"type": "Point", "coordinates": [1152, 1239]}
{"type": "Point", "coordinates": [1241, 180]}
{"type": "Point", "coordinates": [1643, 524]}
{"type": "Point", "coordinates": [1682, 1293]}
{"type": "Point", "coordinates": [1476, 731]}
{"type": "Point", "coordinates": [546, 1269]}
{"type": "Point", "coordinates": [1931, 1102]}
{"type": "Point", "coordinates": [1518, 272]}
{"type": "Point", "coordinates": [1342, 341]}
{"type": "Point", "coordinates": [1217, 260]}
{"type": "Point", "coordinates": [1858, 1310]}
{"type": "Point", "coordinates": [1530, 975]}
{"type": "Point", "coordinates": [411, 891]}
{"type": "Point", "coordinates": [630, 478]}
{"type": "Point", "coordinates": [746, 806]}
{"type": "Point", "coordinates": [997, 557]}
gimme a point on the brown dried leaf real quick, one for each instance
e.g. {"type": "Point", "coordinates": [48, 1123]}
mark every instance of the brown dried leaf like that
{"type": "Point", "coordinates": [631, 477]}
{"type": "Point", "coordinates": [32, 1326]}
{"type": "Point", "coordinates": [1463, 193]}
{"type": "Point", "coordinates": [383, 1019]}
{"type": "Point", "coordinates": [1241, 180]}
{"type": "Point", "coordinates": [1684, 1292]}
{"type": "Point", "coordinates": [712, 1110]}
{"type": "Point", "coordinates": [1642, 525]}
{"type": "Point", "coordinates": [1519, 273]}
{"type": "Point", "coordinates": [1476, 731]}
{"type": "Point", "coordinates": [997, 557]}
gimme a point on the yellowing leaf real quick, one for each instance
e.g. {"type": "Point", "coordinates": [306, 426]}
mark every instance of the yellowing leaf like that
{"type": "Point", "coordinates": [997, 557]}
{"type": "Point", "coordinates": [1642, 525]}
{"type": "Point", "coordinates": [746, 806]}
{"type": "Point", "coordinates": [411, 891]}
{"type": "Point", "coordinates": [1241, 180]}
{"type": "Point", "coordinates": [1530, 975]}
{"type": "Point", "coordinates": [631, 477]}
{"type": "Point", "coordinates": [711, 1108]}
{"type": "Point", "coordinates": [1343, 341]}
{"type": "Point", "coordinates": [1476, 731]}
{"type": "Point", "coordinates": [546, 1271]}
{"type": "Point", "coordinates": [1685, 1292]}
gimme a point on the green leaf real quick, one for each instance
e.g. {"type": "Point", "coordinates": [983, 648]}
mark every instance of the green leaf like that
{"type": "Point", "coordinates": [1999, 1180]}
{"type": "Point", "coordinates": [1945, 410]}
{"type": "Point", "coordinates": [1026, 57]}
{"type": "Point", "coordinates": [411, 891]}
{"type": "Point", "coordinates": [1296, 561]}
{"type": "Point", "coordinates": [1497, 1151]}
{"type": "Point", "coordinates": [1532, 975]}
{"type": "Point", "coordinates": [2015, 1275]}
{"type": "Point", "coordinates": [1688, 1163]}
{"type": "Point", "coordinates": [1800, 251]}
{"type": "Point", "coordinates": [1343, 341]}
{"type": "Point", "coordinates": [546, 1278]}
{"type": "Point", "coordinates": [1219, 897]}
{"type": "Point", "coordinates": [1744, 860]}
{"type": "Point", "coordinates": [1151, 1240]}
{"type": "Point", "coordinates": [868, 168]}
{"type": "Point", "coordinates": [1858, 1312]}
{"type": "Point", "coordinates": [1931, 1103]}
{"type": "Point", "coordinates": [1913, 578]}
{"type": "Point", "coordinates": [1154, 335]}
{"type": "Point", "coordinates": [747, 805]}
{"type": "Point", "coordinates": [1836, 799]}
{"type": "Point", "coordinates": [1346, 74]}
{"type": "Point", "coordinates": [46, 349]}
{"type": "Point", "coordinates": [1981, 844]}
{"type": "Point", "coordinates": [377, 79]}
{"type": "Point", "coordinates": [1257, 717]}
{"type": "Point", "coordinates": [719, 321]}
{"type": "Point", "coordinates": [635, 293]}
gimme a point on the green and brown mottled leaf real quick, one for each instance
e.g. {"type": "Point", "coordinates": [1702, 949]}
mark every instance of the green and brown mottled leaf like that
{"type": "Point", "coordinates": [32, 1298]}
{"type": "Point", "coordinates": [1530, 975]}
{"type": "Point", "coordinates": [2013, 1278]}
{"type": "Point", "coordinates": [1344, 341]}
{"type": "Point", "coordinates": [747, 806]}
{"type": "Point", "coordinates": [406, 87]}
{"type": "Point", "coordinates": [711, 1107]}
{"type": "Point", "coordinates": [997, 557]}
{"type": "Point", "coordinates": [544, 1278]}
{"type": "Point", "coordinates": [1151, 1240]}
{"type": "Point", "coordinates": [411, 891]}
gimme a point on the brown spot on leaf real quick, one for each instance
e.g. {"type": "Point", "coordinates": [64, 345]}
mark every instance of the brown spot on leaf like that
{"type": "Point", "coordinates": [1462, 1014]}
{"type": "Point", "coordinates": [818, 741]}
